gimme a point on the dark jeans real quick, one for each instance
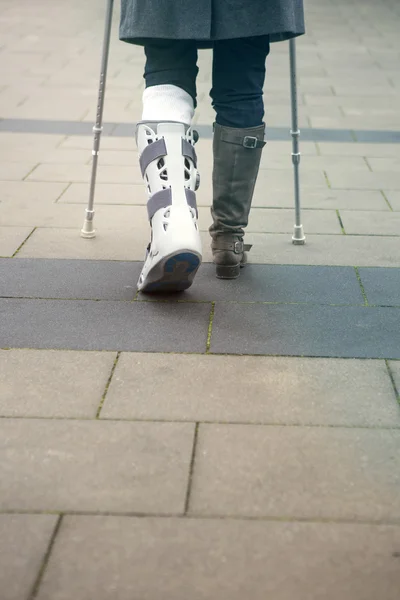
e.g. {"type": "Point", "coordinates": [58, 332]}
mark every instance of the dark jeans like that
{"type": "Point", "coordinates": [237, 77]}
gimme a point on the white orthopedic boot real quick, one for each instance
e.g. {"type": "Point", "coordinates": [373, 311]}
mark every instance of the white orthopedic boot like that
{"type": "Point", "coordinates": [168, 163]}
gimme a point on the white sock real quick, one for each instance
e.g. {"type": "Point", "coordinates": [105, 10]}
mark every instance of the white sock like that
{"type": "Point", "coordinates": [167, 103]}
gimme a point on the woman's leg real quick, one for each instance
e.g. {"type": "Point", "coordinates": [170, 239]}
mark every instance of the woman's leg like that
{"type": "Point", "coordinates": [237, 94]}
{"type": "Point", "coordinates": [169, 165]}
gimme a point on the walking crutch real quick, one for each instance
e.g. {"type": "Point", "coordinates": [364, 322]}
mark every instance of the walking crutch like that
{"type": "Point", "coordinates": [87, 230]}
{"type": "Point", "coordinates": [298, 237]}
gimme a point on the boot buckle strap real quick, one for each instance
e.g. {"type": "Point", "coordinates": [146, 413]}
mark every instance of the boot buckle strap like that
{"type": "Point", "coordinates": [238, 247]}
{"type": "Point", "coordinates": [250, 142]}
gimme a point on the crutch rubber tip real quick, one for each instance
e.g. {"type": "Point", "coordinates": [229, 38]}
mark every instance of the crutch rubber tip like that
{"type": "Point", "coordinates": [298, 238]}
{"type": "Point", "coordinates": [88, 232]}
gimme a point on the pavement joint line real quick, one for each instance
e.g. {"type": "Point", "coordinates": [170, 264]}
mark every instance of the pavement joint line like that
{"type": "Point", "coordinates": [174, 352]}
{"type": "Point", "coordinates": [365, 158]}
{"type": "Point", "coordinates": [39, 578]}
{"type": "Point", "coordinates": [30, 172]}
{"type": "Point", "coordinates": [103, 398]}
{"type": "Point", "coordinates": [386, 200]}
{"type": "Point", "coordinates": [212, 517]}
{"type": "Point", "coordinates": [328, 183]}
{"type": "Point", "coordinates": [210, 326]}
{"type": "Point", "coordinates": [63, 192]}
{"type": "Point", "coordinates": [24, 242]}
{"type": "Point", "coordinates": [340, 222]}
{"type": "Point", "coordinates": [392, 379]}
{"type": "Point", "coordinates": [191, 469]}
{"type": "Point", "coordinates": [269, 424]}
{"type": "Point", "coordinates": [360, 283]}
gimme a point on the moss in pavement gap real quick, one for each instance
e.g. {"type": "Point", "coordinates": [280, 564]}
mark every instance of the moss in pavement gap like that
{"type": "Point", "coordinates": [210, 326]}
{"type": "Point", "coordinates": [340, 222]}
{"type": "Point", "coordinates": [328, 183]}
{"type": "Point", "coordinates": [107, 385]}
{"type": "Point", "coordinates": [38, 581]}
{"type": "Point", "coordinates": [386, 200]}
{"type": "Point", "coordinates": [24, 242]}
{"type": "Point", "coordinates": [361, 286]}
{"type": "Point", "coordinates": [392, 379]}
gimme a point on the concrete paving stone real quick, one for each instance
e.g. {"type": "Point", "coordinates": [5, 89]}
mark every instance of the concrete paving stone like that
{"type": "Point", "coordinates": [220, 560]}
{"type": "Point", "coordinates": [317, 163]}
{"type": "Point", "coordinates": [249, 389]}
{"type": "Point", "coordinates": [15, 143]}
{"type": "Point", "coordinates": [81, 173]}
{"type": "Point", "coordinates": [283, 179]}
{"type": "Point", "coordinates": [371, 223]}
{"type": "Point", "coordinates": [11, 238]}
{"type": "Point", "coordinates": [281, 221]}
{"type": "Point", "coordinates": [67, 156]}
{"type": "Point", "coordinates": [15, 171]}
{"type": "Point", "coordinates": [271, 283]}
{"type": "Point", "coordinates": [73, 279]}
{"type": "Point", "coordinates": [106, 193]}
{"type": "Point", "coordinates": [385, 164]}
{"type": "Point", "coordinates": [394, 199]}
{"type": "Point", "coordinates": [340, 179]}
{"type": "Point", "coordinates": [382, 286]}
{"type": "Point", "coordinates": [107, 143]}
{"type": "Point", "coordinates": [24, 540]}
{"type": "Point", "coordinates": [287, 330]}
{"type": "Point", "coordinates": [63, 465]}
{"type": "Point", "coordinates": [17, 193]}
{"type": "Point", "coordinates": [360, 149]}
{"type": "Point", "coordinates": [321, 199]}
{"type": "Point", "coordinates": [365, 251]}
{"type": "Point", "coordinates": [109, 244]}
{"type": "Point", "coordinates": [297, 472]}
{"type": "Point", "coordinates": [104, 325]}
{"type": "Point", "coordinates": [45, 383]}
{"type": "Point", "coordinates": [384, 124]}
{"type": "Point", "coordinates": [51, 215]}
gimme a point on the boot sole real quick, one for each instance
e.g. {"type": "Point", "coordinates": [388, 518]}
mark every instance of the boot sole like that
{"type": "Point", "coordinates": [175, 273]}
{"type": "Point", "coordinates": [228, 272]}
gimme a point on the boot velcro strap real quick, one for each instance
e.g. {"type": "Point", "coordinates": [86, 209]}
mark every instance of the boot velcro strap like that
{"type": "Point", "coordinates": [188, 151]}
{"type": "Point", "coordinates": [247, 141]}
{"type": "Point", "coordinates": [153, 151]}
{"type": "Point", "coordinates": [163, 199]}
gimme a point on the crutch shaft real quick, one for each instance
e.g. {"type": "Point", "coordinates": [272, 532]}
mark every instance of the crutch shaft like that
{"type": "Point", "coordinates": [298, 236]}
{"type": "Point", "coordinates": [88, 230]}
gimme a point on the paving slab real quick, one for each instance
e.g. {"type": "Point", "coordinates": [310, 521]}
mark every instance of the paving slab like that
{"type": "Point", "coordinates": [81, 466]}
{"type": "Point", "coordinates": [360, 149]}
{"type": "Point", "coordinates": [104, 325]}
{"type": "Point", "coordinates": [106, 193]}
{"type": "Point", "coordinates": [115, 280]}
{"type": "Point", "coordinates": [274, 248]}
{"type": "Point", "coordinates": [15, 192]}
{"type": "Point", "coordinates": [24, 540]}
{"type": "Point", "coordinates": [11, 239]}
{"type": "Point", "coordinates": [45, 383]}
{"type": "Point", "coordinates": [297, 472]}
{"type": "Point", "coordinates": [251, 389]}
{"type": "Point", "coordinates": [320, 199]}
{"type": "Point", "coordinates": [287, 330]}
{"type": "Point", "coordinates": [371, 223]}
{"type": "Point", "coordinates": [382, 286]}
{"type": "Point", "coordinates": [340, 179]}
{"type": "Point", "coordinates": [220, 560]}
{"type": "Point", "coordinates": [15, 171]}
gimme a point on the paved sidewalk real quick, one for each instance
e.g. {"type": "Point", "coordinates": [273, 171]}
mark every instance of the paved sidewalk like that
{"type": "Point", "coordinates": [241, 440]}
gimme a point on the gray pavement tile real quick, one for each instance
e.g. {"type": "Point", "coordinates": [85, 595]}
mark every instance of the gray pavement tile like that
{"type": "Point", "coordinates": [276, 283]}
{"type": "Point", "coordinates": [297, 472]}
{"type": "Point", "coordinates": [24, 540]}
{"type": "Point", "coordinates": [99, 557]}
{"type": "Point", "coordinates": [112, 280]}
{"type": "Point", "coordinates": [11, 238]}
{"type": "Point", "coordinates": [326, 331]}
{"type": "Point", "coordinates": [104, 325]}
{"type": "Point", "coordinates": [322, 200]}
{"type": "Point", "coordinates": [371, 223]}
{"type": "Point", "coordinates": [382, 286]}
{"type": "Point", "coordinates": [340, 179]}
{"type": "Point", "coordinates": [78, 279]}
{"type": "Point", "coordinates": [47, 383]}
{"type": "Point", "coordinates": [252, 389]}
{"type": "Point", "coordinates": [65, 465]}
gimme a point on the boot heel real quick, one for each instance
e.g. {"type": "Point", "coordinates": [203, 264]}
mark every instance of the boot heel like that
{"type": "Point", "coordinates": [228, 272]}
